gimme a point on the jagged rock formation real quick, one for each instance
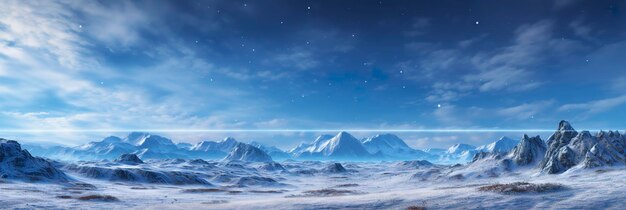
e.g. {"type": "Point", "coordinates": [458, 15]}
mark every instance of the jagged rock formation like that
{"type": "Point", "coordinates": [568, 148]}
{"type": "Point", "coordinates": [248, 153]}
{"type": "Point", "coordinates": [131, 159]}
{"type": "Point", "coordinates": [16, 163]}
{"type": "Point", "coordinates": [528, 150]}
{"type": "Point", "coordinates": [559, 157]}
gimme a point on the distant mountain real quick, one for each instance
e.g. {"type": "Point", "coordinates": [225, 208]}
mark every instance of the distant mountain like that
{"type": "Point", "coordinates": [184, 145]}
{"type": "Point", "coordinates": [502, 145]}
{"type": "Point", "coordinates": [435, 151]}
{"type": "Point", "coordinates": [460, 148]}
{"type": "Point", "coordinates": [225, 145]}
{"type": "Point", "coordinates": [458, 153]}
{"type": "Point", "coordinates": [248, 153]}
{"type": "Point", "coordinates": [274, 152]}
{"type": "Point", "coordinates": [135, 138]}
{"type": "Point", "coordinates": [343, 146]}
{"type": "Point", "coordinates": [144, 145]}
{"type": "Point", "coordinates": [391, 146]}
{"type": "Point", "coordinates": [299, 149]}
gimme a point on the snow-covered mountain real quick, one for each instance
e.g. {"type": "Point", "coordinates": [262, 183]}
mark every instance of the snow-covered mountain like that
{"type": "Point", "coordinates": [108, 148]}
{"type": "Point", "coordinates": [184, 145]}
{"type": "Point", "coordinates": [225, 145]}
{"type": "Point", "coordinates": [16, 163]}
{"type": "Point", "coordinates": [458, 153]}
{"type": "Point", "coordinates": [392, 147]}
{"type": "Point", "coordinates": [274, 152]}
{"type": "Point", "coordinates": [502, 145]}
{"type": "Point", "coordinates": [343, 146]}
{"type": "Point", "coordinates": [460, 148]}
{"type": "Point", "coordinates": [247, 153]}
{"type": "Point", "coordinates": [135, 138]}
{"type": "Point", "coordinates": [435, 151]}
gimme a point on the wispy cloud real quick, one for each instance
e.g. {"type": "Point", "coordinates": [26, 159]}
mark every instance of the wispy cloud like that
{"type": "Point", "coordinates": [595, 106]}
{"type": "Point", "coordinates": [525, 111]}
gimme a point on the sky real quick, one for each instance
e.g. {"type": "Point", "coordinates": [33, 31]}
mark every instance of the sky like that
{"type": "Point", "coordinates": [77, 71]}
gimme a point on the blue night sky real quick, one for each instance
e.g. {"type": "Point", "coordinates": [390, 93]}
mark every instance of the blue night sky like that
{"type": "Point", "coordinates": [132, 65]}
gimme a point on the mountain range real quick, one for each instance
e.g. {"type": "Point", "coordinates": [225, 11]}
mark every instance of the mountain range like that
{"type": "Point", "coordinates": [342, 146]}
{"type": "Point", "coordinates": [565, 149]}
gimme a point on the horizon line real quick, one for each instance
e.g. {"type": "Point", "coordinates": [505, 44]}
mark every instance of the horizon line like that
{"type": "Point", "coordinates": [287, 130]}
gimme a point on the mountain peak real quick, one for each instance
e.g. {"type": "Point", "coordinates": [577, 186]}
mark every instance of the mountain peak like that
{"type": "Point", "coordinates": [459, 148]}
{"type": "Point", "coordinates": [248, 153]}
{"type": "Point", "coordinates": [229, 140]}
{"type": "Point", "coordinates": [565, 126]}
{"type": "Point", "coordinates": [528, 150]}
{"type": "Point", "coordinates": [343, 133]}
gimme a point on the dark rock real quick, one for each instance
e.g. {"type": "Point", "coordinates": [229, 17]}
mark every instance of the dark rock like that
{"type": "Point", "coordinates": [129, 159]}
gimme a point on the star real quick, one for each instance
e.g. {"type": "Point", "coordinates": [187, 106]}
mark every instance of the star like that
{"type": "Point", "coordinates": [438, 105]}
{"type": "Point", "coordinates": [308, 8]}
{"type": "Point", "coordinates": [476, 22]}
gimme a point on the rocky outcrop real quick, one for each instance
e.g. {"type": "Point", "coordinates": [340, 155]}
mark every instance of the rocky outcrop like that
{"type": "Point", "coordinates": [130, 159]}
{"type": "Point", "coordinates": [335, 168]}
{"type": "Point", "coordinates": [16, 163]}
{"type": "Point", "coordinates": [528, 150]}
{"type": "Point", "coordinates": [272, 166]}
{"type": "Point", "coordinates": [136, 175]}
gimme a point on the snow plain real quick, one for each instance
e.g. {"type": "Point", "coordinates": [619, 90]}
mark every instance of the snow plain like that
{"type": "Point", "coordinates": [310, 185]}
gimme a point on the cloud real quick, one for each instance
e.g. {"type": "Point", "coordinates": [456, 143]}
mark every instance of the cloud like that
{"type": "Point", "coordinates": [296, 59]}
{"type": "Point", "coordinates": [418, 27]}
{"type": "Point", "coordinates": [561, 4]}
{"type": "Point", "coordinates": [595, 107]}
{"type": "Point", "coordinates": [510, 68]}
{"type": "Point", "coordinates": [54, 80]}
{"type": "Point", "coordinates": [525, 111]}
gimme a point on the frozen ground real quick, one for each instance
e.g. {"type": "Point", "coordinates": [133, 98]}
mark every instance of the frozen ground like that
{"type": "Point", "coordinates": [310, 185]}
